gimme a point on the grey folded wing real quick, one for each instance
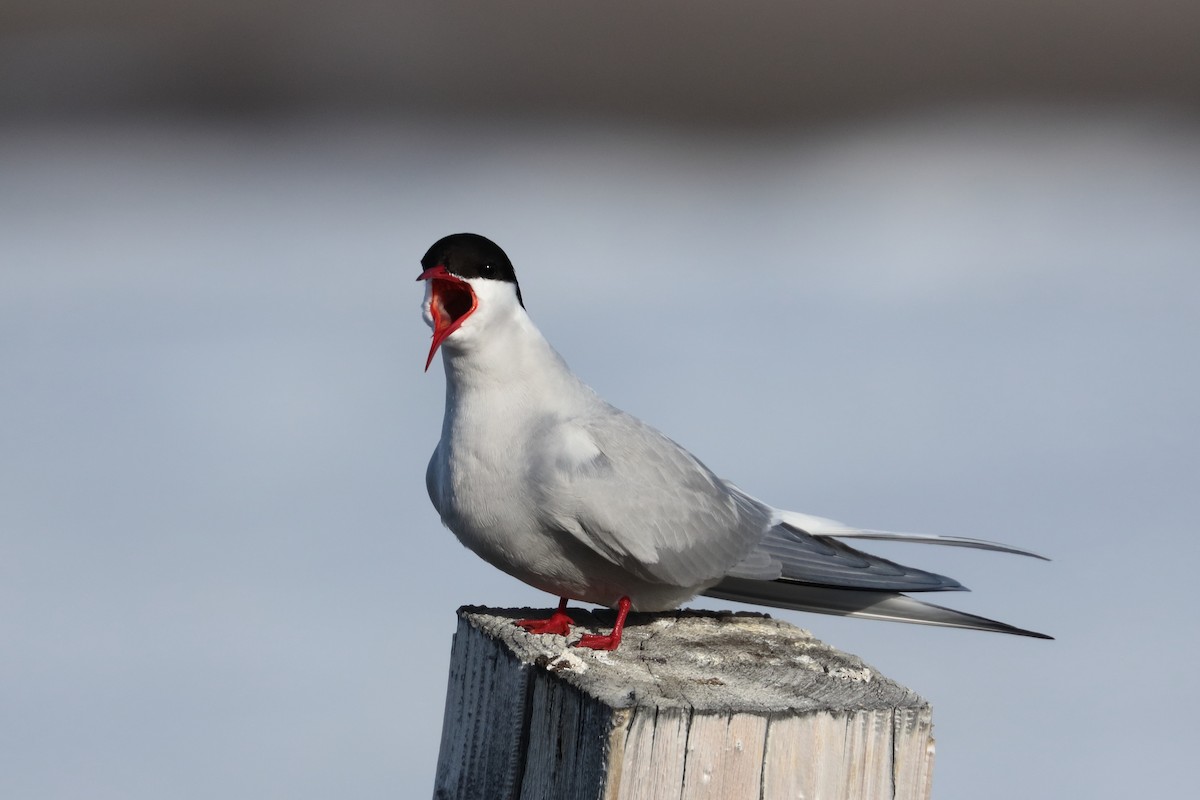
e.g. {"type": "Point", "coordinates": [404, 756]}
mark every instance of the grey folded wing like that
{"type": "Point", "coordinates": [640, 500]}
{"type": "Point", "coordinates": [793, 568]}
{"type": "Point", "coordinates": [866, 604]}
{"type": "Point", "coordinates": [788, 553]}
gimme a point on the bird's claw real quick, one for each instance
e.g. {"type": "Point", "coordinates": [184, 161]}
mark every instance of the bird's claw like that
{"type": "Point", "coordinates": [558, 623]}
{"type": "Point", "coordinates": [600, 641]}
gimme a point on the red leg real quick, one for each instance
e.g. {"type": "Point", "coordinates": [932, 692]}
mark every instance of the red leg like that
{"type": "Point", "coordinates": [609, 641]}
{"type": "Point", "coordinates": [559, 622]}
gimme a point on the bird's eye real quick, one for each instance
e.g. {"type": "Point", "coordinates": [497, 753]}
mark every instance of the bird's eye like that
{"type": "Point", "coordinates": [488, 269]}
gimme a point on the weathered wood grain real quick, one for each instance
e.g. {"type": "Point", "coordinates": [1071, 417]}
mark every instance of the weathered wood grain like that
{"type": "Point", "coordinates": [692, 705]}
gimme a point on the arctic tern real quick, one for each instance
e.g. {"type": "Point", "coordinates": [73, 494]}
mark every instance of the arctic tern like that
{"type": "Point", "coordinates": [543, 479]}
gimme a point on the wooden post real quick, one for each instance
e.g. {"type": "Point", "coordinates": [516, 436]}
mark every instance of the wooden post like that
{"type": "Point", "coordinates": [692, 705]}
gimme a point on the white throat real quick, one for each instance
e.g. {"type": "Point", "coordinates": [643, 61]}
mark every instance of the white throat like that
{"type": "Point", "coordinates": [498, 362]}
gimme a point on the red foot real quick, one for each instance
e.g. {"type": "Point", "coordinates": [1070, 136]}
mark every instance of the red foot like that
{"type": "Point", "coordinates": [608, 641]}
{"type": "Point", "coordinates": [600, 641]}
{"type": "Point", "coordinates": [558, 623]}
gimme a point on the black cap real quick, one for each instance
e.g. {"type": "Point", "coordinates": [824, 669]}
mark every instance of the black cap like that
{"type": "Point", "coordinates": [469, 255]}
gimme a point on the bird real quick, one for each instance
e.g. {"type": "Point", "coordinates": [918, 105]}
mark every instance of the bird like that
{"type": "Point", "coordinates": [542, 478]}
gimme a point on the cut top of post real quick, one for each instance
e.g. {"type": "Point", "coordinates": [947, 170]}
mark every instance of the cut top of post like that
{"type": "Point", "coordinates": [707, 662]}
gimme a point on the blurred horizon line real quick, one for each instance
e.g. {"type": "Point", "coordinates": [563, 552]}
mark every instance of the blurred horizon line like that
{"type": "Point", "coordinates": [677, 63]}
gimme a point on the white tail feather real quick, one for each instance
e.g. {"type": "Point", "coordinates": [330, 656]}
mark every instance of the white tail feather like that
{"type": "Point", "coordinates": [820, 526]}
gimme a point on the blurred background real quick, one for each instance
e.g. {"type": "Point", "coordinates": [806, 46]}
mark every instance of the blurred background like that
{"type": "Point", "coordinates": [923, 266]}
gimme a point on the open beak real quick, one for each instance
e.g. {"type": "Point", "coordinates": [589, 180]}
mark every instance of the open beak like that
{"type": "Point", "coordinates": [451, 302]}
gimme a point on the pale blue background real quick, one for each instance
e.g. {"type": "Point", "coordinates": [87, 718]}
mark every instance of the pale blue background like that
{"type": "Point", "coordinates": [219, 571]}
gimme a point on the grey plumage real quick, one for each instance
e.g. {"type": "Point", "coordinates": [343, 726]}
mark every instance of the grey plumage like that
{"type": "Point", "coordinates": [887, 606]}
{"type": "Point", "coordinates": [546, 481]}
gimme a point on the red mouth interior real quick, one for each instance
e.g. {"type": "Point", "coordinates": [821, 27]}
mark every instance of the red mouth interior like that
{"type": "Point", "coordinates": [452, 301]}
